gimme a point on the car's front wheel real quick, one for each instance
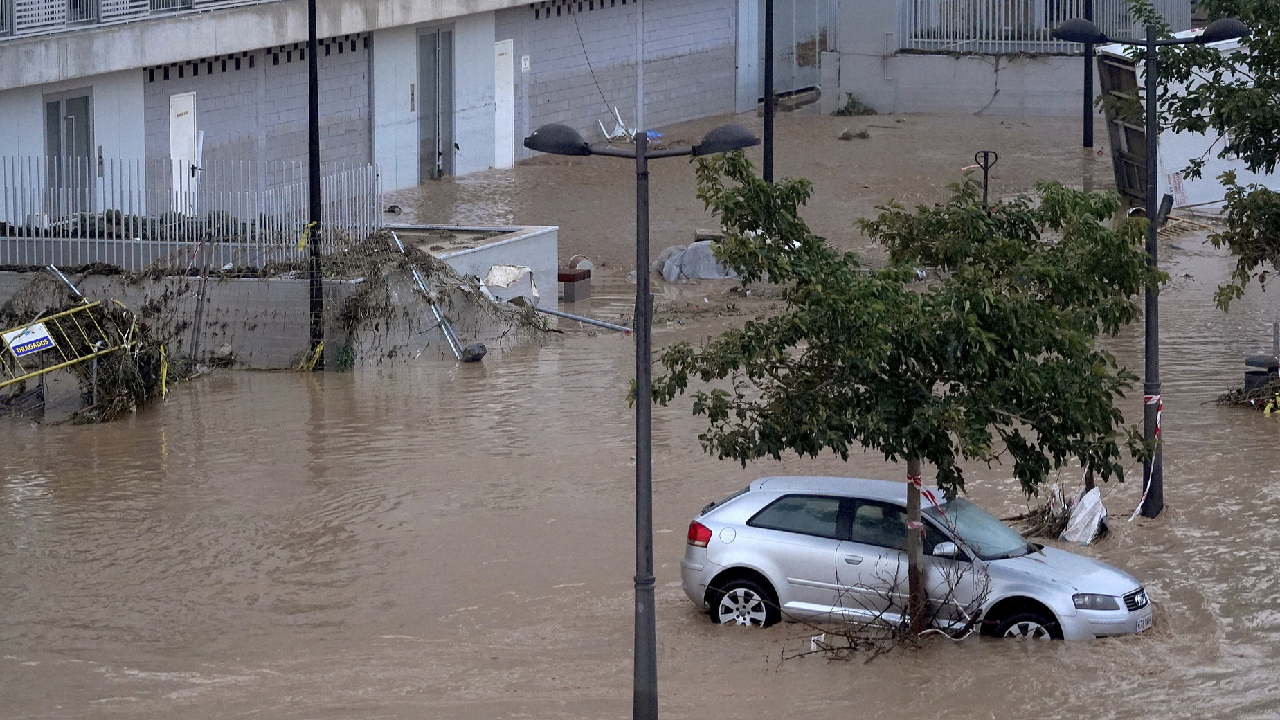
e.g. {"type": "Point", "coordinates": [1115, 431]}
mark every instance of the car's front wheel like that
{"type": "Point", "coordinates": [744, 602]}
{"type": "Point", "coordinates": [1028, 626]}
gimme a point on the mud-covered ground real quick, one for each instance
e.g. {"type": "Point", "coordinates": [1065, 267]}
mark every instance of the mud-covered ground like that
{"type": "Point", "coordinates": [455, 541]}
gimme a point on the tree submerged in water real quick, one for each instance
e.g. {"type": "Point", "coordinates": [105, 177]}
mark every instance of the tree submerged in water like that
{"type": "Point", "coordinates": [995, 360]}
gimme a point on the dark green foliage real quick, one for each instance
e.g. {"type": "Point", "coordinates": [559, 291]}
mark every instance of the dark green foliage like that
{"type": "Point", "coordinates": [1237, 97]}
{"type": "Point", "coordinates": [995, 360]}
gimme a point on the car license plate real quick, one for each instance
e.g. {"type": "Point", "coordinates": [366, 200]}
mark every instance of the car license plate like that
{"type": "Point", "coordinates": [1143, 624]}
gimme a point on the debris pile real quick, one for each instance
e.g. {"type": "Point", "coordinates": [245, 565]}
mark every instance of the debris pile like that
{"type": "Point", "coordinates": [1265, 398]}
{"type": "Point", "coordinates": [111, 384]}
{"type": "Point", "coordinates": [1081, 520]}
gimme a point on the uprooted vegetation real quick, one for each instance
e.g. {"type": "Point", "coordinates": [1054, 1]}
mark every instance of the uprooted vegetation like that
{"type": "Point", "coordinates": [111, 384]}
{"type": "Point", "coordinates": [1265, 398]}
{"type": "Point", "coordinates": [878, 623]}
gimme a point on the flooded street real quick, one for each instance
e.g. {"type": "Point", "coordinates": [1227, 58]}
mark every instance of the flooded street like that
{"type": "Point", "coordinates": [427, 540]}
{"type": "Point", "coordinates": [908, 158]}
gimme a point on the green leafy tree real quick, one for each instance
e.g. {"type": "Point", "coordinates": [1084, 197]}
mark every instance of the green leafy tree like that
{"type": "Point", "coordinates": [995, 361]}
{"type": "Point", "coordinates": [1236, 96]}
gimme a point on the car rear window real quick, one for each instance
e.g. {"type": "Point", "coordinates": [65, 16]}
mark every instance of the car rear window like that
{"type": "Point", "coordinates": [805, 514]}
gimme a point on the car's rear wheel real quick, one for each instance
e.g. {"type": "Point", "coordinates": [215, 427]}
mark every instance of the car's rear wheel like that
{"type": "Point", "coordinates": [744, 602]}
{"type": "Point", "coordinates": [1028, 626]}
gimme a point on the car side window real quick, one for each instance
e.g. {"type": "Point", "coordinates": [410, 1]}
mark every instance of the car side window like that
{"type": "Point", "coordinates": [885, 525]}
{"type": "Point", "coordinates": [880, 524]}
{"type": "Point", "coordinates": [805, 514]}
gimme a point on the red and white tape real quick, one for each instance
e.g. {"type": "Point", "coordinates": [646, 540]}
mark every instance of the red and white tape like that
{"type": "Point", "coordinates": [1159, 403]}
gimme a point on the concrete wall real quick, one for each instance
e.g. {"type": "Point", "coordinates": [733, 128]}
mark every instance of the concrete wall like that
{"type": "Point", "coordinates": [265, 324]}
{"type": "Point", "coordinates": [82, 52]}
{"type": "Point", "coordinates": [254, 105]}
{"type": "Point", "coordinates": [536, 248]}
{"type": "Point", "coordinates": [898, 82]}
{"type": "Point", "coordinates": [117, 115]}
{"type": "Point", "coordinates": [1020, 85]}
{"type": "Point", "coordinates": [582, 64]}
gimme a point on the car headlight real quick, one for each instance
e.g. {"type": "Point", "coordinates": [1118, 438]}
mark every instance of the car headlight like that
{"type": "Point", "coordinates": [1089, 601]}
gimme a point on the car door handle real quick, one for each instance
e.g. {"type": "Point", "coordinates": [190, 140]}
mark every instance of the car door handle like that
{"type": "Point", "coordinates": [853, 559]}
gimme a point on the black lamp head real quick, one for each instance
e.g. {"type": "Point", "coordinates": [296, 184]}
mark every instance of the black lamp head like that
{"type": "Point", "coordinates": [558, 140]}
{"type": "Point", "coordinates": [1079, 30]}
{"type": "Point", "coordinates": [1223, 29]}
{"type": "Point", "coordinates": [724, 139]}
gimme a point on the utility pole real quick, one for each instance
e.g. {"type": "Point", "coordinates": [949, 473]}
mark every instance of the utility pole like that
{"type": "Point", "coordinates": [313, 158]}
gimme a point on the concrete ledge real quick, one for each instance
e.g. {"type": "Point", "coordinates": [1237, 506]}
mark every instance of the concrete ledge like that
{"type": "Point", "coordinates": [535, 247]}
{"type": "Point", "coordinates": [148, 41]}
{"type": "Point", "coordinates": [1018, 85]}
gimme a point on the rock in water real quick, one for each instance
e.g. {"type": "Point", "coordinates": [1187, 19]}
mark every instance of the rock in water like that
{"type": "Point", "coordinates": [474, 352]}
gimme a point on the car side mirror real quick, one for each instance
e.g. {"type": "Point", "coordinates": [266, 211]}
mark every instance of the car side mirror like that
{"type": "Point", "coordinates": [947, 550]}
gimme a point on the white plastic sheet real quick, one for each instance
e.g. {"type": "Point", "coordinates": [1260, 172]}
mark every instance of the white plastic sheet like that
{"type": "Point", "coordinates": [505, 282]}
{"type": "Point", "coordinates": [1087, 518]}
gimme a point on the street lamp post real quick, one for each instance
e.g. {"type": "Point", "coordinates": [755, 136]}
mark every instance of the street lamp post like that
{"type": "Point", "coordinates": [564, 140]}
{"type": "Point", "coordinates": [1084, 31]}
{"type": "Point", "coordinates": [1088, 81]}
{"type": "Point", "coordinates": [770, 97]}
{"type": "Point", "coordinates": [315, 285]}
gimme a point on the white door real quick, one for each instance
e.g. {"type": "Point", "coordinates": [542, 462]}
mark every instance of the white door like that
{"type": "Point", "coordinates": [504, 133]}
{"type": "Point", "coordinates": [184, 151]}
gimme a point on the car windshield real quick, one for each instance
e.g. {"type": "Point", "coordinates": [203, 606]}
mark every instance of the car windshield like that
{"type": "Point", "coordinates": [985, 535]}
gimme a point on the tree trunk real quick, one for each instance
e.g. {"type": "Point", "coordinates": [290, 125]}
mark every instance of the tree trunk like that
{"type": "Point", "coordinates": [1088, 480]}
{"type": "Point", "coordinates": [917, 607]}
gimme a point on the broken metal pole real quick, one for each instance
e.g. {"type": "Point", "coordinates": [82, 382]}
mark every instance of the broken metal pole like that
{"type": "Point", "coordinates": [454, 343]}
{"type": "Point", "coordinates": [65, 281]}
{"type": "Point", "coordinates": [587, 320]}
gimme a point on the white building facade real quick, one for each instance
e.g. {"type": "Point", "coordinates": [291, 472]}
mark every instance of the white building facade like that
{"type": "Point", "coordinates": [421, 89]}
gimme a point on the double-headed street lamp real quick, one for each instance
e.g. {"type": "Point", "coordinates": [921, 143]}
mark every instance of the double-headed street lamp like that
{"type": "Point", "coordinates": [564, 140]}
{"type": "Point", "coordinates": [1084, 31]}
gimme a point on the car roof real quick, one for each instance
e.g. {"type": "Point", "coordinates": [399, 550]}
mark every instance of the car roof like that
{"type": "Point", "coordinates": [884, 490]}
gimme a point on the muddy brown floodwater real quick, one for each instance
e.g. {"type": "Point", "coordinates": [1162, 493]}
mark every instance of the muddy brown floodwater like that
{"type": "Point", "coordinates": [908, 158]}
{"type": "Point", "coordinates": [427, 540]}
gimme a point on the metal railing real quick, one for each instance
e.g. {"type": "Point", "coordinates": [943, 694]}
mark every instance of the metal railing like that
{"type": "Point", "coordinates": [1011, 26]}
{"type": "Point", "coordinates": [82, 11]}
{"type": "Point", "coordinates": [136, 214]}
{"type": "Point", "coordinates": [36, 17]}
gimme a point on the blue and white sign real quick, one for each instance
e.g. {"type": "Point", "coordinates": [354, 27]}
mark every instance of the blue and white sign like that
{"type": "Point", "coordinates": [28, 340]}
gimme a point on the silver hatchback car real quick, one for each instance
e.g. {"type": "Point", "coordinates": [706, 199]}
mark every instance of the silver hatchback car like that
{"type": "Point", "coordinates": [825, 548]}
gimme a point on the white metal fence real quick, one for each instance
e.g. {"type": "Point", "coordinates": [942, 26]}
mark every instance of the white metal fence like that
{"type": "Point", "coordinates": [135, 214]}
{"type": "Point", "coordinates": [1010, 26]}
{"type": "Point", "coordinates": [33, 17]}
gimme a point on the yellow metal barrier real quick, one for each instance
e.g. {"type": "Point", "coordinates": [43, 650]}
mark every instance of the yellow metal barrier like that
{"type": "Point", "coordinates": [75, 334]}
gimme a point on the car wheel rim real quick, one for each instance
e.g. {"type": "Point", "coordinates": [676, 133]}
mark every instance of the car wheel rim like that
{"type": "Point", "coordinates": [742, 607]}
{"type": "Point", "coordinates": [1028, 630]}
